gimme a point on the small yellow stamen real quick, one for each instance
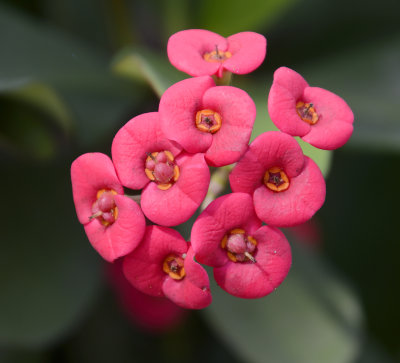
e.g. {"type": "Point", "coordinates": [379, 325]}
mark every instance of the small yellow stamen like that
{"type": "Point", "coordinates": [307, 112]}
{"type": "Point", "coordinates": [208, 121]}
{"type": "Point", "coordinates": [164, 186]}
{"type": "Point", "coordinates": [217, 56]}
{"type": "Point", "coordinates": [173, 266]}
{"type": "Point", "coordinates": [276, 179]}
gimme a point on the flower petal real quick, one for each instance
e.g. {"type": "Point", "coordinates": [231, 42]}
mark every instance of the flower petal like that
{"type": "Point", "coordinates": [193, 291]}
{"type": "Point", "coordinates": [177, 204]}
{"type": "Point", "coordinates": [144, 266]}
{"type": "Point", "coordinates": [90, 173]}
{"type": "Point", "coordinates": [140, 135]}
{"type": "Point", "coordinates": [248, 52]}
{"type": "Point", "coordinates": [178, 107]}
{"type": "Point", "coordinates": [222, 215]}
{"type": "Point", "coordinates": [238, 113]}
{"type": "Point", "coordinates": [286, 90]}
{"type": "Point", "coordinates": [306, 194]}
{"type": "Point", "coordinates": [121, 237]}
{"type": "Point", "coordinates": [335, 123]}
{"type": "Point", "coordinates": [254, 280]}
{"type": "Point", "coordinates": [187, 47]}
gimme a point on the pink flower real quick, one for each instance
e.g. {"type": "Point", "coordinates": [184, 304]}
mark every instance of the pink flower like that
{"type": "Point", "coordinates": [156, 314]}
{"type": "Point", "coordinates": [205, 118]}
{"type": "Point", "coordinates": [113, 222]}
{"type": "Point", "coordinates": [287, 186]}
{"type": "Point", "coordinates": [174, 183]}
{"type": "Point", "coordinates": [249, 260]}
{"type": "Point", "coordinates": [163, 265]}
{"type": "Point", "coordinates": [203, 53]}
{"type": "Point", "coordinates": [318, 116]}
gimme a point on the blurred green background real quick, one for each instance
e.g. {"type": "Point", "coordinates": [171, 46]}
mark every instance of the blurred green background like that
{"type": "Point", "coordinates": [73, 72]}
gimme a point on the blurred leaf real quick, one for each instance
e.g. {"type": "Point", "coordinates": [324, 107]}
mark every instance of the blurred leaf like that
{"type": "Point", "coordinates": [368, 78]}
{"type": "Point", "coordinates": [80, 75]}
{"type": "Point", "coordinates": [28, 135]}
{"type": "Point", "coordinates": [311, 318]}
{"type": "Point", "coordinates": [49, 274]}
{"type": "Point", "coordinates": [228, 17]}
{"type": "Point", "coordinates": [23, 356]}
{"type": "Point", "coordinates": [147, 66]}
{"type": "Point", "coordinates": [263, 123]}
{"type": "Point", "coordinates": [175, 15]}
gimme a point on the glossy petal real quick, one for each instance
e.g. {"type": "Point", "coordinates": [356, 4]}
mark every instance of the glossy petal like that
{"type": "Point", "coordinates": [186, 49]}
{"type": "Point", "coordinates": [335, 123]}
{"type": "Point", "coordinates": [286, 90]}
{"type": "Point", "coordinates": [138, 136]}
{"type": "Point", "coordinates": [269, 149]}
{"type": "Point", "coordinates": [335, 118]}
{"type": "Point", "coordinates": [193, 291]}
{"type": "Point", "coordinates": [306, 194]}
{"type": "Point", "coordinates": [121, 237]}
{"type": "Point", "coordinates": [248, 52]}
{"type": "Point", "coordinates": [238, 113]}
{"type": "Point", "coordinates": [254, 280]}
{"type": "Point", "coordinates": [222, 215]}
{"type": "Point", "coordinates": [90, 173]}
{"type": "Point", "coordinates": [177, 204]}
{"type": "Point", "coordinates": [178, 107]}
{"type": "Point", "coordinates": [144, 266]}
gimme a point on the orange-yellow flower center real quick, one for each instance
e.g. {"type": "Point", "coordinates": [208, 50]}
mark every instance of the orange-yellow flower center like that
{"type": "Point", "coordinates": [276, 179]}
{"type": "Point", "coordinates": [208, 121]}
{"type": "Point", "coordinates": [239, 246]}
{"type": "Point", "coordinates": [216, 56]}
{"type": "Point", "coordinates": [104, 208]}
{"type": "Point", "coordinates": [173, 266]}
{"type": "Point", "coordinates": [160, 167]}
{"type": "Point", "coordinates": [307, 112]}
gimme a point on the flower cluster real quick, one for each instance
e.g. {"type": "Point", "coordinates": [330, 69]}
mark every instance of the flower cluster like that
{"type": "Point", "coordinates": [160, 169]}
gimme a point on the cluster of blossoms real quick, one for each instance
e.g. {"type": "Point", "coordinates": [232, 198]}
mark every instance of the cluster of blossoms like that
{"type": "Point", "coordinates": [166, 157]}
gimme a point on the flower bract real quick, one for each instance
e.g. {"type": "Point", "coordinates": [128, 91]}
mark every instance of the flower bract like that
{"type": "Point", "coordinates": [163, 265]}
{"type": "Point", "coordinates": [202, 117]}
{"type": "Point", "coordinates": [113, 222]}
{"type": "Point", "coordinates": [318, 116]}
{"type": "Point", "coordinates": [249, 260]}
{"type": "Point", "coordinates": [287, 186]}
{"type": "Point", "coordinates": [201, 52]}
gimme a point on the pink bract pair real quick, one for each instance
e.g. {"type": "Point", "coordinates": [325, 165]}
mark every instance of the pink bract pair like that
{"type": "Point", "coordinates": [113, 222]}
{"type": "Point", "coordinates": [287, 186]}
{"type": "Point", "coordinates": [200, 52]}
{"type": "Point", "coordinates": [204, 118]}
{"type": "Point", "coordinates": [249, 260]}
{"type": "Point", "coordinates": [174, 183]}
{"type": "Point", "coordinates": [318, 116]}
{"type": "Point", "coordinates": [163, 265]}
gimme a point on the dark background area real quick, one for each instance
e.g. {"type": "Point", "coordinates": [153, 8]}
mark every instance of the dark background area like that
{"type": "Point", "coordinates": [73, 72]}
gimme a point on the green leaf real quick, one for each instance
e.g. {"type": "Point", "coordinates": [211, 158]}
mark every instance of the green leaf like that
{"type": "Point", "coordinates": [312, 318]}
{"type": "Point", "coordinates": [49, 274]}
{"type": "Point", "coordinates": [366, 76]}
{"type": "Point", "coordinates": [228, 17]}
{"type": "Point", "coordinates": [147, 66]}
{"type": "Point", "coordinates": [79, 75]}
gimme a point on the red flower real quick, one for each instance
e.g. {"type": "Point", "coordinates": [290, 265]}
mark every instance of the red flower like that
{"type": "Point", "coordinates": [163, 265]}
{"type": "Point", "coordinates": [205, 118]}
{"type": "Point", "coordinates": [113, 222]}
{"type": "Point", "coordinates": [287, 186]}
{"type": "Point", "coordinates": [203, 53]}
{"type": "Point", "coordinates": [249, 260]}
{"type": "Point", "coordinates": [174, 183]}
{"type": "Point", "coordinates": [318, 116]}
